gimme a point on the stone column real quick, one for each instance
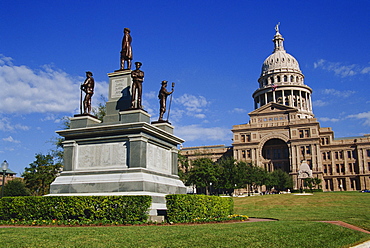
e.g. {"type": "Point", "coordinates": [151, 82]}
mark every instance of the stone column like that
{"type": "Point", "coordinates": [265, 97]}
{"type": "Point", "coordinates": [69, 157]}
{"type": "Point", "coordinates": [137, 151]}
{"type": "Point", "coordinates": [347, 184]}
{"type": "Point", "coordinates": [335, 184]}
{"type": "Point", "coordinates": [359, 160]}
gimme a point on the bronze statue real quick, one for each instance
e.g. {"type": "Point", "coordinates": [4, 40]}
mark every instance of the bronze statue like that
{"type": "Point", "coordinates": [126, 52]}
{"type": "Point", "coordinates": [137, 87]}
{"type": "Point", "coordinates": [88, 88]}
{"type": "Point", "coordinates": [163, 93]}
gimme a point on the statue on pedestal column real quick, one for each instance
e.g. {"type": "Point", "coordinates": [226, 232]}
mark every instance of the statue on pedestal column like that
{"type": "Point", "coordinates": [137, 88]}
{"type": "Point", "coordinates": [126, 52]}
{"type": "Point", "coordinates": [88, 88]}
{"type": "Point", "coordinates": [163, 93]}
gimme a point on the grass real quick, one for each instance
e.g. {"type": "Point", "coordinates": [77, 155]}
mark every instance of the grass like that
{"type": "Point", "coordinates": [350, 207]}
{"type": "Point", "coordinates": [296, 227]}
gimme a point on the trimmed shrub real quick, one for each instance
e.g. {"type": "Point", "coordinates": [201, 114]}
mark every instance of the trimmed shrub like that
{"type": "Point", "coordinates": [120, 209]}
{"type": "Point", "coordinates": [191, 208]}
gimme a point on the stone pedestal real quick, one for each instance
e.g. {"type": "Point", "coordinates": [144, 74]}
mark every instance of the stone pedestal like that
{"type": "Point", "coordinates": [119, 95]}
{"type": "Point", "coordinates": [123, 155]}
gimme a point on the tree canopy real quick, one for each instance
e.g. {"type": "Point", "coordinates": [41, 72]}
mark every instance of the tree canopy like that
{"type": "Point", "coordinates": [41, 173]}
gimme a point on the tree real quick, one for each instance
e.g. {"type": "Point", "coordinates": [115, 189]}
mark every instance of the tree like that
{"type": "Point", "coordinates": [280, 180]}
{"type": "Point", "coordinates": [41, 173]}
{"type": "Point", "coordinates": [183, 166]}
{"type": "Point", "coordinates": [256, 176]}
{"type": "Point", "coordinates": [16, 187]}
{"type": "Point", "coordinates": [228, 174]}
{"type": "Point", "coordinates": [101, 110]}
{"type": "Point", "coordinates": [203, 173]}
{"type": "Point", "coordinates": [312, 183]}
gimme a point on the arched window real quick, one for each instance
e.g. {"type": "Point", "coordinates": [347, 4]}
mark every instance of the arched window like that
{"type": "Point", "coordinates": [285, 78]}
{"type": "Point", "coordinates": [278, 78]}
{"type": "Point", "coordinates": [291, 79]}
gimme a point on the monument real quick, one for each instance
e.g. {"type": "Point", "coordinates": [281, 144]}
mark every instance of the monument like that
{"type": "Point", "coordinates": [125, 154]}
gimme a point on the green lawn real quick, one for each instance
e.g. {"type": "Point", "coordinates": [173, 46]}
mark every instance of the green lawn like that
{"type": "Point", "coordinates": [296, 227]}
{"type": "Point", "coordinates": [350, 207]}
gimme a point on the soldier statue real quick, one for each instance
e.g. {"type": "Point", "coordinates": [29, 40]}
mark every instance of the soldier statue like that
{"type": "Point", "coordinates": [88, 88]}
{"type": "Point", "coordinates": [137, 87]}
{"type": "Point", "coordinates": [163, 93]}
{"type": "Point", "coordinates": [126, 52]}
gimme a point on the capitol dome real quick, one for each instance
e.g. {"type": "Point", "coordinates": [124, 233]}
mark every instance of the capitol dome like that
{"type": "Point", "coordinates": [279, 60]}
{"type": "Point", "coordinates": [282, 81]}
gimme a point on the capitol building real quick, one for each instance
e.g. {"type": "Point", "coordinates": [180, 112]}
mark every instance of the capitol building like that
{"type": "Point", "coordinates": [283, 133]}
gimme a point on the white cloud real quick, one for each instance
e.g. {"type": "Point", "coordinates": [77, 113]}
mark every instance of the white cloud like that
{"type": "Point", "coordinates": [194, 105]}
{"type": "Point", "coordinates": [341, 69]}
{"type": "Point", "coordinates": [11, 140]}
{"type": "Point", "coordinates": [238, 110]}
{"type": "Point", "coordinates": [47, 89]}
{"type": "Point", "coordinates": [151, 95]}
{"type": "Point", "coordinates": [364, 115]}
{"type": "Point", "coordinates": [334, 92]}
{"type": "Point", "coordinates": [327, 119]}
{"type": "Point", "coordinates": [319, 103]}
{"type": "Point", "coordinates": [198, 133]}
{"type": "Point", "coordinates": [6, 125]}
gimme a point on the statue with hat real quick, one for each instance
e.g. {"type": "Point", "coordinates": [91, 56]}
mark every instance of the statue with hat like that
{"type": "Point", "coordinates": [137, 86]}
{"type": "Point", "coordinates": [162, 95]}
{"type": "Point", "coordinates": [88, 88]}
{"type": "Point", "coordinates": [126, 52]}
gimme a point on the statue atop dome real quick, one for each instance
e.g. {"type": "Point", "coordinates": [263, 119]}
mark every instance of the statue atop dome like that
{"type": "Point", "coordinates": [277, 27]}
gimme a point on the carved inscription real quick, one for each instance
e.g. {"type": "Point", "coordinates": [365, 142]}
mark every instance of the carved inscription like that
{"type": "Point", "coordinates": [112, 155]}
{"type": "Point", "coordinates": [159, 159]}
{"type": "Point", "coordinates": [118, 86]}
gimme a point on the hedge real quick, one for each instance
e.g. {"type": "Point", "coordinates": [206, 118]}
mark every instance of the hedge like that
{"type": "Point", "coordinates": [120, 209]}
{"type": "Point", "coordinates": [190, 208]}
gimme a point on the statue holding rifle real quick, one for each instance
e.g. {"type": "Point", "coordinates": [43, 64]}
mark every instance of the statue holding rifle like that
{"type": "Point", "coordinates": [88, 88]}
{"type": "Point", "coordinates": [163, 93]}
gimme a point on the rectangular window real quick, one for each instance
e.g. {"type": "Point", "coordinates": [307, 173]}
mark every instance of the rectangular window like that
{"type": "Point", "coordinates": [342, 168]}
{"type": "Point", "coordinates": [368, 152]}
{"type": "Point", "coordinates": [307, 133]}
{"type": "Point", "coordinates": [301, 134]}
{"type": "Point", "coordinates": [337, 168]}
{"type": "Point", "coordinates": [308, 149]}
{"type": "Point", "coordinates": [243, 154]}
{"type": "Point", "coordinates": [248, 153]}
{"type": "Point", "coordinates": [324, 155]}
{"type": "Point", "coordinates": [336, 155]}
{"type": "Point", "coordinates": [349, 154]}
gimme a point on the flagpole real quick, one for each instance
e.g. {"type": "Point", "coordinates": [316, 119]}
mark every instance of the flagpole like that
{"type": "Point", "coordinates": [81, 100]}
{"type": "Point", "coordinates": [169, 107]}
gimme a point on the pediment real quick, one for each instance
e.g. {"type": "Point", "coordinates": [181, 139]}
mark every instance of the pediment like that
{"type": "Point", "coordinates": [272, 108]}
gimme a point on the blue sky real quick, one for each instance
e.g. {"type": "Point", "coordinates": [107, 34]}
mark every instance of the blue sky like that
{"type": "Point", "coordinates": [212, 50]}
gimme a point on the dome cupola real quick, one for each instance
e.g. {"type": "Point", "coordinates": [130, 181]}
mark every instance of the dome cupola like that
{"type": "Point", "coordinates": [282, 81]}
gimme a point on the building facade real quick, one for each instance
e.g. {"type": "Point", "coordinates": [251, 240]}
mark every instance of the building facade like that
{"type": "Point", "coordinates": [283, 133]}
